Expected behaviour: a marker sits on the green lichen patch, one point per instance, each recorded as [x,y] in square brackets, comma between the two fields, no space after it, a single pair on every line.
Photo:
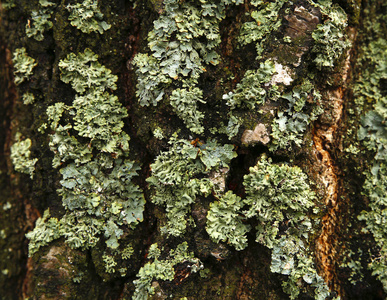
[23,65]
[330,37]
[250,92]
[290,125]
[40,20]
[83,71]
[265,21]
[163,269]
[279,198]
[182,44]
[225,223]
[28,98]
[87,17]
[20,156]
[91,148]
[184,103]
[178,177]
[370,89]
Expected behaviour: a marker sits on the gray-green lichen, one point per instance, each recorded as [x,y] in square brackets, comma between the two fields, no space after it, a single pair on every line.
[23,65]
[280,199]
[330,39]
[87,17]
[40,20]
[178,178]
[303,107]
[91,149]
[163,269]
[370,88]
[182,43]
[28,98]
[20,156]
[265,20]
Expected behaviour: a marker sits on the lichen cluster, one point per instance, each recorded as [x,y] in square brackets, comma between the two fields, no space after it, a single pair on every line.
[280,199]
[329,37]
[181,174]
[265,20]
[20,156]
[40,20]
[96,187]
[23,65]
[163,269]
[370,88]
[182,44]
[87,17]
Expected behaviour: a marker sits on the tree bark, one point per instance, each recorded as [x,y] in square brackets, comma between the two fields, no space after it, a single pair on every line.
[284,87]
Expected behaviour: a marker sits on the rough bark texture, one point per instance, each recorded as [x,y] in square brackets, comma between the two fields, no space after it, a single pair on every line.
[300,110]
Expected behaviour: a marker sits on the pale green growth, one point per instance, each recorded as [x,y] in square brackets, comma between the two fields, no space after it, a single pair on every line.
[99,117]
[266,21]
[174,178]
[290,125]
[96,187]
[20,156]
[28,98]
[40,21]
[151,83]
[182,43]
[329,37]
[280,198]
[250,92]
[46,230]
[127,252]
[23,65]
[185,105]
[370,87]
[87,17]
[158,133]
[110,263]
[225,222]
[8,4]
[233,125]
[163,269]
[83,72]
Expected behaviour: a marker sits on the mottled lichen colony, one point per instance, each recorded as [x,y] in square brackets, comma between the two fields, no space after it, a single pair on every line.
[188,178]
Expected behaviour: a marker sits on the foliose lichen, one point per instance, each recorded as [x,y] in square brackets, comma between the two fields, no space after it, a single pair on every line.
[329,37]
[87,17]
[40,20]
[163,269]
[23,65]
[178,178]
[96,187]
[280,199]
[303,107]
[20,156]
[182,43]
[265,20]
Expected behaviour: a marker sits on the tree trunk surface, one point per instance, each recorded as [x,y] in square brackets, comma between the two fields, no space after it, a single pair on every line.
[191,149]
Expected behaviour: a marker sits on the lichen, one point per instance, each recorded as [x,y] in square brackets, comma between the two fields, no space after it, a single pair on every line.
[329,37]
[303,107]
[28,98]
[87,17]
[280,199]
[178,177]
[40,20]
[163,269]
[182,43]
[23,65]
[20,156]
[265,20]
[90,147]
